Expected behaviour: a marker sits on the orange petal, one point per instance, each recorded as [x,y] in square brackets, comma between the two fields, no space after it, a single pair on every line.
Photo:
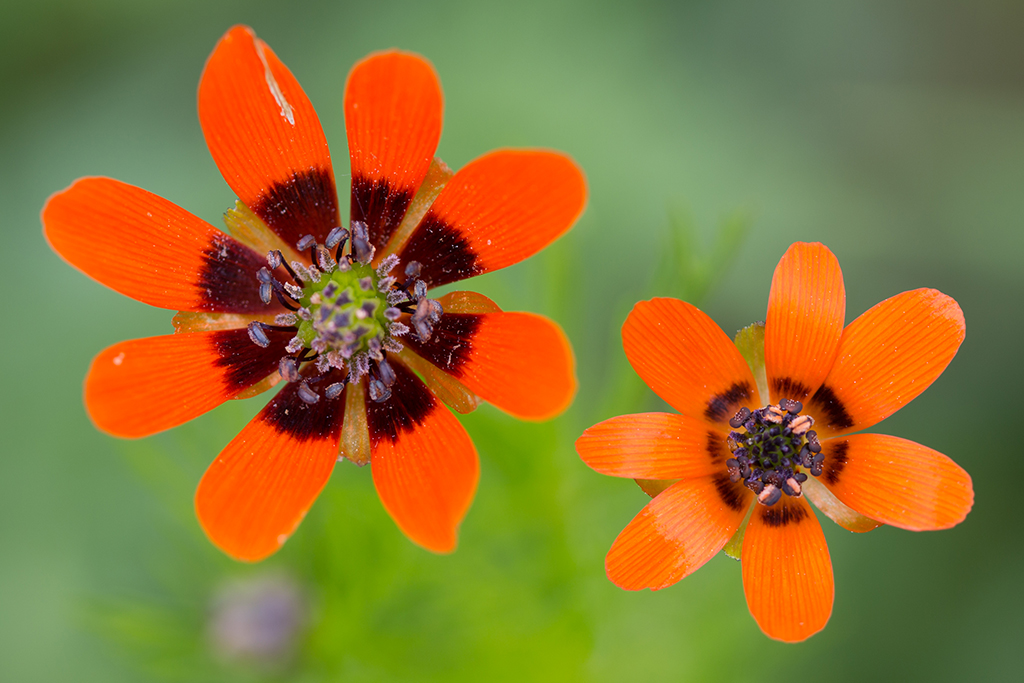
[143,386]
[146,247]
[887,357]
[653,446]
[897,481]
[687,360]
[424,465]
[259,488]
[787,571]
[678,531]
[520,362]
[266,138]
[393,114]
[806,311]
[500,209]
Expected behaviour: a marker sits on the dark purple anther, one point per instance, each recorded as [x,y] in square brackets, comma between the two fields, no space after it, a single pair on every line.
[336,237]
[739,418]
[258,335]
[378,391]
[288,369]
[308,395]
[362,250]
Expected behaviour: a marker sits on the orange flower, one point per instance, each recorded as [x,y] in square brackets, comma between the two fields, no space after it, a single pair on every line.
[754,436]
[344,316]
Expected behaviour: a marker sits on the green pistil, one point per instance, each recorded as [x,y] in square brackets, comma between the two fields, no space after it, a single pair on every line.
[346,311]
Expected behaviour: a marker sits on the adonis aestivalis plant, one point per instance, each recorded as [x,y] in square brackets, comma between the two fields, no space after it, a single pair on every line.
[344,315]
[770,419]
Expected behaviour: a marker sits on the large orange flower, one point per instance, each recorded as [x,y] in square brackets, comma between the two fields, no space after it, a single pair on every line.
[758,432]
[343,315]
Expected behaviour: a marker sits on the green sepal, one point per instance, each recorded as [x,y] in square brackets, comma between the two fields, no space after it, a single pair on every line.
[652,487]
[734,547]
[750,342]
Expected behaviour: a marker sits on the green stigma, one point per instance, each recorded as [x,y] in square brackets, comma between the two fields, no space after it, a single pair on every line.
[347,312]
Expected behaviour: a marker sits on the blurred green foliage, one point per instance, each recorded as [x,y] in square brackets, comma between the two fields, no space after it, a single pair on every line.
[891,131]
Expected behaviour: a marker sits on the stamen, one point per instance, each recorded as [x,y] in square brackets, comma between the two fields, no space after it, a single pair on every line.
[791,406]
[266,292]
[386,372]
[362,364]
[288,369]
[378,391]
[258,335]
[336,237]
[301,271]
[362,250]
[278,288]
[387,265]
[375,350]
[305,243]
[325,260]
[741,416]
[308,395]
[286,319]
[770,495]
[420,319]
[420,290]
[334,390]
[413,269]
[274,259]
[801,424]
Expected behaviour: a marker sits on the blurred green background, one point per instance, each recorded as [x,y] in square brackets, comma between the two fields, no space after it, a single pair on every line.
[891,131]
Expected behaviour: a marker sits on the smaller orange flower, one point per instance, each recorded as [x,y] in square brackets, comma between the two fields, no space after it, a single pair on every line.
[757,432]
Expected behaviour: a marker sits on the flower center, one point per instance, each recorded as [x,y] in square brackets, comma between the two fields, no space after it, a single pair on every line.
[773,450]
[345,314]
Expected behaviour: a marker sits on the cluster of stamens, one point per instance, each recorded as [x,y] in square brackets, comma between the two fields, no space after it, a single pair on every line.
[777,444]
[345,315]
